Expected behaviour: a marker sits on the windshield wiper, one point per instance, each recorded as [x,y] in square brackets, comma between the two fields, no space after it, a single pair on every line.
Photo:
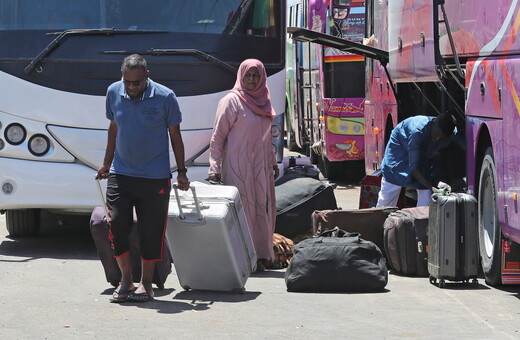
[181,51]
[61,36]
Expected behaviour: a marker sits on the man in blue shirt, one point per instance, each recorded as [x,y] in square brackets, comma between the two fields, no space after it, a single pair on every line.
[408,159]
[144,118]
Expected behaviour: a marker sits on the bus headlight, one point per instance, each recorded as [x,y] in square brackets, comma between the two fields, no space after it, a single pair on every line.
[7,188]
[15,134]
[2,144]
[346,126]
[39,145]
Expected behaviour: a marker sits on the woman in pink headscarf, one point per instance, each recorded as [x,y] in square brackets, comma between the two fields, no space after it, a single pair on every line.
[242,154]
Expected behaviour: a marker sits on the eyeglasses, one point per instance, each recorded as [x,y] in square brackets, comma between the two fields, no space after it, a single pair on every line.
[251,75]
[132,82]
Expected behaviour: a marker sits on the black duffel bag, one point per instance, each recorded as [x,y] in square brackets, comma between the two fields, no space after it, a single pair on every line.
[296,199]
[336,261]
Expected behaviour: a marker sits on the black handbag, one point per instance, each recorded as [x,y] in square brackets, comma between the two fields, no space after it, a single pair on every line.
[336,261]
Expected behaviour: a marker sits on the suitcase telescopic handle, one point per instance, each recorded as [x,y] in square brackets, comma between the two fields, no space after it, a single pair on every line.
[102,196]
[182,216]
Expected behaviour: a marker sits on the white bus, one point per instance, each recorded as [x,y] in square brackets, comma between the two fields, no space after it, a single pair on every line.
[58,57]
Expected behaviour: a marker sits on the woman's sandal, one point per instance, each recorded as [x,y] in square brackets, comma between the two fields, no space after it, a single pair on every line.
[259,267]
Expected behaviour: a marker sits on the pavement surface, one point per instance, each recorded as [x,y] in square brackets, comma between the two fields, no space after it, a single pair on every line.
[52,286]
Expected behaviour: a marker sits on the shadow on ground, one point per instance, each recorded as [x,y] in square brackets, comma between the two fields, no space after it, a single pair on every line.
[60,237]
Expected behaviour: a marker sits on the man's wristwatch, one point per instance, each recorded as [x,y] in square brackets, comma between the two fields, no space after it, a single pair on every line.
[182,171]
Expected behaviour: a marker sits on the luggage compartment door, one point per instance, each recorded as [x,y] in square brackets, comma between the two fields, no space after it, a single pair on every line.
[412,31]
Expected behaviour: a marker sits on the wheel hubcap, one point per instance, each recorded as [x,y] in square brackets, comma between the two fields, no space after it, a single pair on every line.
[488,217]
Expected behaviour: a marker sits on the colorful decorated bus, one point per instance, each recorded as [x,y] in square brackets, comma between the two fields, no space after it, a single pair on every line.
[58,58]
[326,87]
[461,57]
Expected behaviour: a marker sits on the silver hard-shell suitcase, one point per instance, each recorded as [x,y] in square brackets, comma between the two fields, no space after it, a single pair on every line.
[209,238]
[453,238]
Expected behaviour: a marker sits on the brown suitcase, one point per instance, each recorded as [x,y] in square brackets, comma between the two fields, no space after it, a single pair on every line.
[100,234]
[406,241]
[368,222]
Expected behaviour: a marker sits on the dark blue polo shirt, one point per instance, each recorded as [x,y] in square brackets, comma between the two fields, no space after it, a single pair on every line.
[142,142]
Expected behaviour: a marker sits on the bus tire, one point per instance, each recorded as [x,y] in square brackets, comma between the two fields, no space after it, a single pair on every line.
[22,222]
[313,156]
[291,142]
[489,234]
[330,170]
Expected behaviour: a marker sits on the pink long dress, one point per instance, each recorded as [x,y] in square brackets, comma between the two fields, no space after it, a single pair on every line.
[242,151]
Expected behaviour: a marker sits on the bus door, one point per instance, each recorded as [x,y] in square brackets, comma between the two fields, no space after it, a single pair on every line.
[296,18]
[311,86]
[511,117]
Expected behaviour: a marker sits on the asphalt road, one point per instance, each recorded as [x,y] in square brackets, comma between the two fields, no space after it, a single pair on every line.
[52,286]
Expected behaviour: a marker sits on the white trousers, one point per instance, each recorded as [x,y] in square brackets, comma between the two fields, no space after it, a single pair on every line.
[389,195]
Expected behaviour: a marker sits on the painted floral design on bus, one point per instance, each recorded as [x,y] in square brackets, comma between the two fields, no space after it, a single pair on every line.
[346,150]
[344,128]
[317,22]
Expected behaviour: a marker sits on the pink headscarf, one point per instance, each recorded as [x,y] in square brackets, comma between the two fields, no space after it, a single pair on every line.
[258,100]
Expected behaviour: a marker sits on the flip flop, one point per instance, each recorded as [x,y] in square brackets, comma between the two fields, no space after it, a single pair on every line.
[121,295]
[140,297]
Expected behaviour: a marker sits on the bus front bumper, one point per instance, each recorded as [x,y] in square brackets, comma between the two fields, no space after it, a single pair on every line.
[26,184]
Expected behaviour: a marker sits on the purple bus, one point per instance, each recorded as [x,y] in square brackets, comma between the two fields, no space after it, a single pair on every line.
[325,113]
[462,57]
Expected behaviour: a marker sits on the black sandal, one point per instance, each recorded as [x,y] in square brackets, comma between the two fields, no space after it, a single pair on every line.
[140,297]
[121,295]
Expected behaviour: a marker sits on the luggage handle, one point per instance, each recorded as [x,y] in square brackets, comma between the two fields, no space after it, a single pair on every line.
[102,196]
[336,232]
[182,216]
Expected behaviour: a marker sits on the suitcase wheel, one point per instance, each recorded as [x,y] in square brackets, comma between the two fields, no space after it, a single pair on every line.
[473,281]
[114,283]
[186,288]
[239,290]
[441,284]
[160,286]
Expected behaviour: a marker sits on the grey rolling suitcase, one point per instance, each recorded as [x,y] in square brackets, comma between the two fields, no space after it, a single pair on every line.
[209,239]
[453,238]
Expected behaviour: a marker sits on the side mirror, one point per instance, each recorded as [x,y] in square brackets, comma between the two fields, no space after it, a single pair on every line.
[342,3]
[340,9]
[340,13]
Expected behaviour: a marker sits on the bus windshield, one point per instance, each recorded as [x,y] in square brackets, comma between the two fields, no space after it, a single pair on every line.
[341,65]
[196,16]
